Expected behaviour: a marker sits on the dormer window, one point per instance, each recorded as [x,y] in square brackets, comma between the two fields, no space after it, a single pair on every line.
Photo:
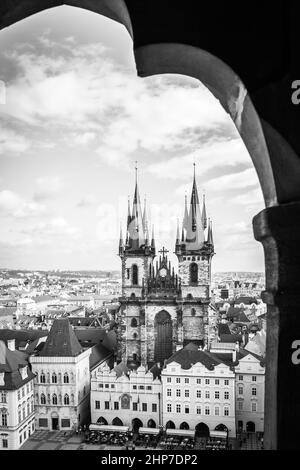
[24,372]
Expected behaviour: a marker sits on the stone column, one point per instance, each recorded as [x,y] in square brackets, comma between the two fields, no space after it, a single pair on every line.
[278,229]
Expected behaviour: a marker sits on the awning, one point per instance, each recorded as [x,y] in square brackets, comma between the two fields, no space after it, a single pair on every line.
[148,431]
[181,432]
[220,434]
[108,428]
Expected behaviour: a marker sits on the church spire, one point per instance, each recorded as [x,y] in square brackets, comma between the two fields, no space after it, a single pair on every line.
[210,239]
[128,213]
[145,217]
[204,216]
[178,234]
[121,242]
[194,231]
[186,215]
[136,230]
[153,239]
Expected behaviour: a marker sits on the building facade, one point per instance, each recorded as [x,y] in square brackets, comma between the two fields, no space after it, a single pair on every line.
[160,310]
[250,393]
[17,417]
[198,392]
[62,383]
[124,397]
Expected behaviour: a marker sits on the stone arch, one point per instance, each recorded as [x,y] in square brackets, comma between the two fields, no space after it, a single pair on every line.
[170,425]
[102,420]
[221,427]
[163,332]
[184,425]
[269,152]
[151,423]
[136,424]
[117,422]
[202,430]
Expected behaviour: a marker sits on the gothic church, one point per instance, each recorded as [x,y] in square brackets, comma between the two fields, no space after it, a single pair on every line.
[160,311]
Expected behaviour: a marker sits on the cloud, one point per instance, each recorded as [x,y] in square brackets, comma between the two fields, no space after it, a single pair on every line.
[12,204]
[251,198]
[84,138]
[240,180]
[12,142]
[48,187]
[213,155]
[87,200]
[95,100]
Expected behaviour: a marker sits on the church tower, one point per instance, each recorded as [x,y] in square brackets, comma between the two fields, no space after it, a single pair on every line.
[194,249]
[137,252]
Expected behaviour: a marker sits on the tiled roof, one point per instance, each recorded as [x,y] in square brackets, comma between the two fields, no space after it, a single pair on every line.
[223,328]
[61,340]
[10,363]
[21,335]
[190,355]
[99,354]
[245,300]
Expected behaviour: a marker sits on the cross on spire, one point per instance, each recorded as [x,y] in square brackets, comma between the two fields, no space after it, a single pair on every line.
[136,170]
[163,251]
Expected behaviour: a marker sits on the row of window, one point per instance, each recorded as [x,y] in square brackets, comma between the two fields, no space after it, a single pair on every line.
[186,380]
[253,391]
[25,390]
[54,399]
[54,378]
[116,406]
[25,409]
[253,406]
[135,387]
[198,394]
[23,435]
[241,378]
[178,408]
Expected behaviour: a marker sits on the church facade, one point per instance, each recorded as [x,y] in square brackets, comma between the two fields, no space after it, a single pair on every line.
[161,311]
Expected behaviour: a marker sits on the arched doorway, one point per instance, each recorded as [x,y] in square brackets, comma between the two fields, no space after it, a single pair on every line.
[117,422]
[202,430]
[102,420]
[221,427]
[250,426]
[184,425]
[136,424]
[162,336]
[151,424]
[170,425]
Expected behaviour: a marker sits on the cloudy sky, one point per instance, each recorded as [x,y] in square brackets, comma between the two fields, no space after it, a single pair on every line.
[75,120]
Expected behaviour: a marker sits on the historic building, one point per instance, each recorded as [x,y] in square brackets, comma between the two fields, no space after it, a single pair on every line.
[250,392]
[16,397]
[160,310]
[124,397]
[62,383]
[198,392]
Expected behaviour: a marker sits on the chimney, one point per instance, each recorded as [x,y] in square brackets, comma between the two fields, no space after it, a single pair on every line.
[237,346]
[158,364]
[11,344]
[234,355]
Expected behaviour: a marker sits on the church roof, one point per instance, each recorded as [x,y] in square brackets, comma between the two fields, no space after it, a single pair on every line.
[61,340]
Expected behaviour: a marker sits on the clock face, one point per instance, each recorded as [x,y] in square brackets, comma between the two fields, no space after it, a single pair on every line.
[163,272]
